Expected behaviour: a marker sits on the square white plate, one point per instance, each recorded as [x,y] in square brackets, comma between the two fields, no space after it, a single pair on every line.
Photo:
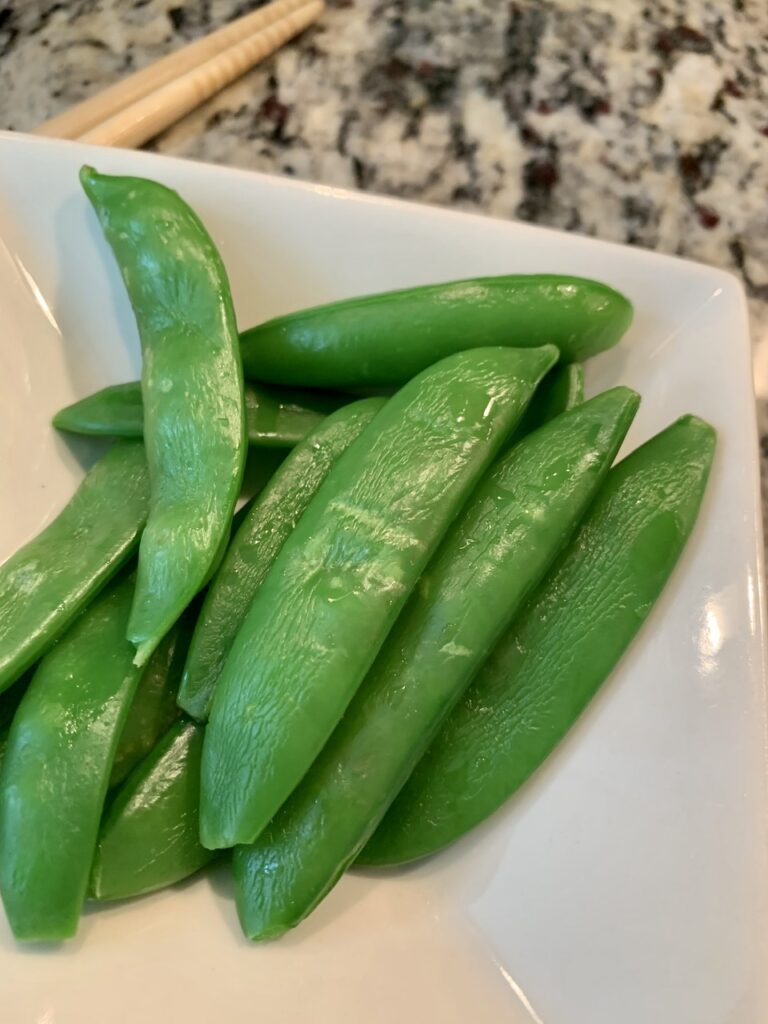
[627,882]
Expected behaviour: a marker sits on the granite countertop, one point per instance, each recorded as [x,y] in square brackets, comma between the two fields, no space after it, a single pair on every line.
[640,123]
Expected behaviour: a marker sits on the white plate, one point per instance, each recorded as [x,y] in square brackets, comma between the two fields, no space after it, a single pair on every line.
[627,882]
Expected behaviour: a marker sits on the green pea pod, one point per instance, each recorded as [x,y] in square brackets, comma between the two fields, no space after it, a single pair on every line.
[149,836]
[57,764]
[49,581]
[274,417]
[378,340]
[255,546]
[341,578]
[517,520]
[562,389]
[192,387]
[154,708]
[553,660]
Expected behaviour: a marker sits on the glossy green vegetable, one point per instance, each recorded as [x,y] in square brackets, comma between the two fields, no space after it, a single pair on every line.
[48,581]
[149,836]
[553,660]
[192,387]
[154,708]
[57,765]
[519,517]
[254,548]
[343,575]
[562,389]
[385,339]
[274,417]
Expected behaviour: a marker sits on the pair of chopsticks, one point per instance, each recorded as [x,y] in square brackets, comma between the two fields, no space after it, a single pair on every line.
[133,111]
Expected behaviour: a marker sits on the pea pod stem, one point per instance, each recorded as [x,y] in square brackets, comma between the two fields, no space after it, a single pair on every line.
[343,575]
[547,668]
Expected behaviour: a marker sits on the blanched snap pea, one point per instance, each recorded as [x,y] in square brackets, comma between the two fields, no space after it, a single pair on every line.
[49,581]
[192,389]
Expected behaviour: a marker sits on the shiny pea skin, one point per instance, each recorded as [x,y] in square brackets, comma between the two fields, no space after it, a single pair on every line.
[192,390]
[154,708]
[517,520]
[547,668]
[256,544]
[149,837]
[343,575]
[48,582]
[274,417]
[385,339]
[57,765]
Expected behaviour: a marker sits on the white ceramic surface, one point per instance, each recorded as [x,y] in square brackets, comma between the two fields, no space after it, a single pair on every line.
[627,882]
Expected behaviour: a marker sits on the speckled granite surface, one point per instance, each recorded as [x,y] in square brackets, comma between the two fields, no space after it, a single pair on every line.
[644,123]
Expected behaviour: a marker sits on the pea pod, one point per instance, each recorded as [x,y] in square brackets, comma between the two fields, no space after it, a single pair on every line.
[343,575]
[256,545]
[154,708]
[149,836]
[378,340]
[550,664]
[274,417]
[192,388]
[56,768]
[562,389]
[516,521]
[49,581]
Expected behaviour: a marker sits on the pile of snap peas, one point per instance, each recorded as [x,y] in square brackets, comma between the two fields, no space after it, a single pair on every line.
[369,657]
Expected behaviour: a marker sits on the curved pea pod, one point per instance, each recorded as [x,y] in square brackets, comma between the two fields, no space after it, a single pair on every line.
[550,664]
[255,546]
[149,837]
[154,708]
[343,575]
[192,389]
[517,520]
[49,581]
[385,339]
[56,768]
[274,417]
[562,389]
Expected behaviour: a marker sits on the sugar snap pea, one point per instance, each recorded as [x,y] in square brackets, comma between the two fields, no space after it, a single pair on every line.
[255,546]
[192,388]
[48,581]
[149,836]
[499,547]
[274,417]
[57,764]
[341,578]
[385,339]
[550,664]
[154,708]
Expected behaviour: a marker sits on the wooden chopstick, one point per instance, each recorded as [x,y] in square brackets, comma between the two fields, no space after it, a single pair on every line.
[183,79]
